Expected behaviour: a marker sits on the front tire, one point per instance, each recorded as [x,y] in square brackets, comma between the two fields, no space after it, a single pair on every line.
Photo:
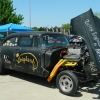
[67,82]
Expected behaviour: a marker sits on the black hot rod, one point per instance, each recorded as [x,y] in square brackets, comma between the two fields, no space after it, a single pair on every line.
[46,54]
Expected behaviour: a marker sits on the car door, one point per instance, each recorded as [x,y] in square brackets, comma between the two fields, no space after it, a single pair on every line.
[8,48]
[28,57]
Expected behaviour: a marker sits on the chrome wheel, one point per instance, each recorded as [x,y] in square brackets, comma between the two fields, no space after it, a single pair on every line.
[66,83]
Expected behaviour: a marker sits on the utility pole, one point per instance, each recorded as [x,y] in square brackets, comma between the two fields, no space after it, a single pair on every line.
[30,13]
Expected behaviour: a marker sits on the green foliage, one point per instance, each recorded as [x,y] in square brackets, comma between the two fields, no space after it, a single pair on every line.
[39,29]
[42,29]
[66,27]
[8,14]
[35,29]
[97,14]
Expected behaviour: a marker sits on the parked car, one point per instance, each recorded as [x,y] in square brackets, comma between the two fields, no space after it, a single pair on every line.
[44,54]
[76,41]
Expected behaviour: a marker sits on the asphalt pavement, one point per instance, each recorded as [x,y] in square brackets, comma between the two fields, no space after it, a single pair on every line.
[20,86]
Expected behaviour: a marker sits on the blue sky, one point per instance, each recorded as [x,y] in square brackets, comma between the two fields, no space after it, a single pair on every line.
[47,13]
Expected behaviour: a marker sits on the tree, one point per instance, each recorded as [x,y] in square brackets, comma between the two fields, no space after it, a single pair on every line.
[66,27]
[97,14]
[42,29]
[35,29]
[8,14]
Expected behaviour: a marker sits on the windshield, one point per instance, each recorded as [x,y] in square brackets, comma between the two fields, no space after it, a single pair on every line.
[54,40]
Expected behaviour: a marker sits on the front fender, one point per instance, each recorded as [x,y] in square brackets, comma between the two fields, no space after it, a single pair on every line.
[52,57]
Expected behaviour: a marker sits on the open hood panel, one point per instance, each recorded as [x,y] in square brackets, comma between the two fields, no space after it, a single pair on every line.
[88,26]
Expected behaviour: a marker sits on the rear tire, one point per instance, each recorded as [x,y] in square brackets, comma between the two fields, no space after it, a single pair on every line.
[67,82]
[2,69]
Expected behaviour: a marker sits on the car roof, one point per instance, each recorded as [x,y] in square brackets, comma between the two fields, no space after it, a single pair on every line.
[34,33]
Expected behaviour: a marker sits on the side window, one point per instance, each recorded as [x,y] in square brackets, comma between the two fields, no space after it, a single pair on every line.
[11,42]
[26,41]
